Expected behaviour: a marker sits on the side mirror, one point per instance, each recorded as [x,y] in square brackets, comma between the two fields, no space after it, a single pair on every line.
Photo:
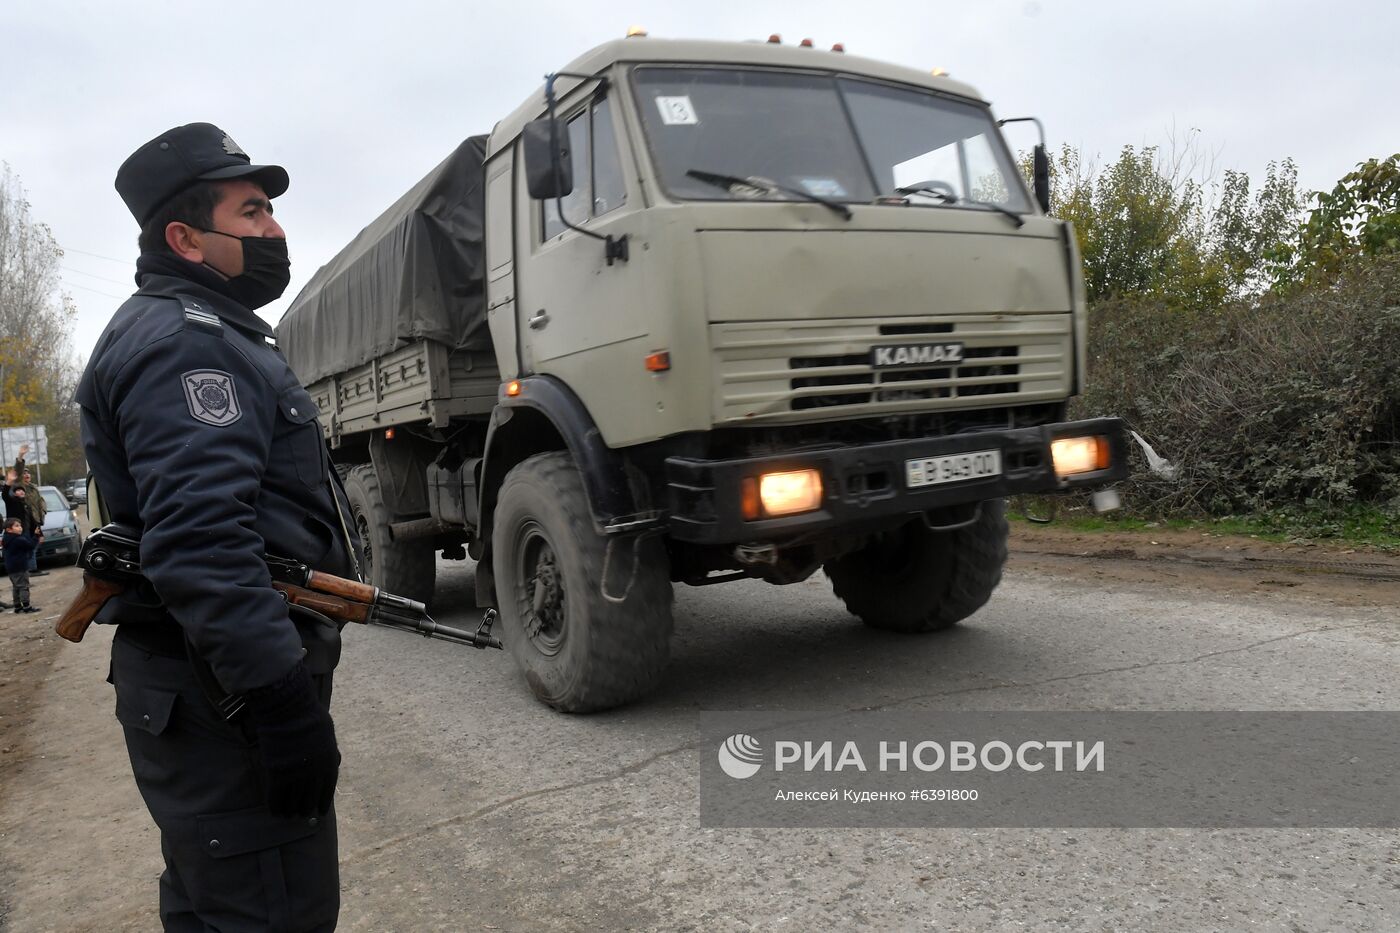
[1040,174]
[549,166]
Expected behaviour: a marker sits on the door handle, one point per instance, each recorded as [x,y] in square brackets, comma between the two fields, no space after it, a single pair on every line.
[539,320]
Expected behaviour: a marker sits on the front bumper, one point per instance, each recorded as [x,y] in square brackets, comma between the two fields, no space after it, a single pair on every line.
[868,482]
[64,546]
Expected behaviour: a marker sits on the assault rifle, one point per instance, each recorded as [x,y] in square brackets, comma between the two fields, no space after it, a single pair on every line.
[111,562]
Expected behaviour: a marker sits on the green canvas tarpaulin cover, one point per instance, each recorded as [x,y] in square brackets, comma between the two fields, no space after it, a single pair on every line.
[416,273]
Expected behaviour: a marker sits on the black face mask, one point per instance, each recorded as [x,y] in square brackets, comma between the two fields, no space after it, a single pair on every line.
[266,270]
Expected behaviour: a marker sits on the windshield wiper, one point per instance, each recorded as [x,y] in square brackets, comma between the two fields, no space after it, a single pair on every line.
[720,180]
[947,197]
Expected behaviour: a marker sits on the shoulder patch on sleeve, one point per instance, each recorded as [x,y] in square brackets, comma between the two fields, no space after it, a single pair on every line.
[212,396]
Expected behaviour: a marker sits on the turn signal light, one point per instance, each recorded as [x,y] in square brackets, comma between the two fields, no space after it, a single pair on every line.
[513,388]
[659,362]
[1073,455]
[749,506]
[388,434]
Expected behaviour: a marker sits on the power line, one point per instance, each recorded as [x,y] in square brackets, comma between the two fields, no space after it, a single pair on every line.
[69,249]
[96,292]
[100,278]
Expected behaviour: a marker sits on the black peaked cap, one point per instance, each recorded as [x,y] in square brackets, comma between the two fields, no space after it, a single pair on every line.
[178,158]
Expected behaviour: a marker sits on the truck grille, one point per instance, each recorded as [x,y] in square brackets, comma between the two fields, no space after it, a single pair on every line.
[772,370]
[887,385]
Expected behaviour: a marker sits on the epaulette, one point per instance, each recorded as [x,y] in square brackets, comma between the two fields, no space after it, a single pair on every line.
[200,316]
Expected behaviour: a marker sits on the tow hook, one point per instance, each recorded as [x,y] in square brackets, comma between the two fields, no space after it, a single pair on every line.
[752,555]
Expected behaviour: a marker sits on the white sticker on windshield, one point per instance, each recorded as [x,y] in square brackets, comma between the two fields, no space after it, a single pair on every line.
[677,111]
[823,187]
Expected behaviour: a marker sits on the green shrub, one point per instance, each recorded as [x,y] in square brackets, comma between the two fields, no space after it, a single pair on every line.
[1267,403]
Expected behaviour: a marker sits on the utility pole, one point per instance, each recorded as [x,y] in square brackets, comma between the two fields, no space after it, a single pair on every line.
[2,399]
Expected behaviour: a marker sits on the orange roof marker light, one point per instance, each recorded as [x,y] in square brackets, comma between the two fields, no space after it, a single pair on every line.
[513,388]
[659,362]
[636,32]
[838,47]
[805,43]
[775,39]
[939,72]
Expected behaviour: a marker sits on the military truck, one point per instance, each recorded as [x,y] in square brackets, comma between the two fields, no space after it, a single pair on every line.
[698,312]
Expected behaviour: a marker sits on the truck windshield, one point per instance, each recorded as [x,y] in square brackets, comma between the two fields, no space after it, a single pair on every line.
[838,138]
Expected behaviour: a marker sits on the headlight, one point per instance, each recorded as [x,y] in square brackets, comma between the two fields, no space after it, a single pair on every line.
[775,494]
[1073,455]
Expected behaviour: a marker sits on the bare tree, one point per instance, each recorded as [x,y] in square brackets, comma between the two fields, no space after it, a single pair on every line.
[37,368]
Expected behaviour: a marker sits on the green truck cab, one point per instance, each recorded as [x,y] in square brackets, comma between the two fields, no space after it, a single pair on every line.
[698,312]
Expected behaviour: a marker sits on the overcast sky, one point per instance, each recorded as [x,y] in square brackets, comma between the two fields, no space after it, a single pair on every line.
[359,99]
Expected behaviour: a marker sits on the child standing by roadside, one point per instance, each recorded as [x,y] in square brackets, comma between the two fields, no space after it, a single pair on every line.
[18,547]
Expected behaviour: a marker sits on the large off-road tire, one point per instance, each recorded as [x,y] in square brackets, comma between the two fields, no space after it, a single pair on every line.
[580,651]
[404,568]
[914,579]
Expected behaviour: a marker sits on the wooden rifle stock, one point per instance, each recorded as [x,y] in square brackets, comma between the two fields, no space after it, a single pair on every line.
[352,590]
[74,622]
[113,551]
[95,592]
[332,607]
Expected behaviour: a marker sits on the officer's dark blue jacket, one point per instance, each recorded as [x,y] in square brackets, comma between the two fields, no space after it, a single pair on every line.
[17,551]
[199,433]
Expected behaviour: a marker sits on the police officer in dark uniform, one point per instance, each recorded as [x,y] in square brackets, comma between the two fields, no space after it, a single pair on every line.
[200,436]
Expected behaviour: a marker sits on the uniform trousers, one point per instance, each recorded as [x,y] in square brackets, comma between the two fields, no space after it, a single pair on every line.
[230,865]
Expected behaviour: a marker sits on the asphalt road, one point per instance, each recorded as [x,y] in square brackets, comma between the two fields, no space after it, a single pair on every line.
[464,805]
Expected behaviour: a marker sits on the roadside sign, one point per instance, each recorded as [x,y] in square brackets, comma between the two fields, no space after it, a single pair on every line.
[12,439]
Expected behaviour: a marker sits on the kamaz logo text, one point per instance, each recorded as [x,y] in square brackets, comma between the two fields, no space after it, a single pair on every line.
[918,354]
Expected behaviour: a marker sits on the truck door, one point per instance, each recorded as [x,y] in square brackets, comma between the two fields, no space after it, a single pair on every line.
[572,304]
[500,262]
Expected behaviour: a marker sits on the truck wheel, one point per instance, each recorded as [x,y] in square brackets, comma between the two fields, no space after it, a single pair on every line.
[913,579]
[404,568]
[580,651]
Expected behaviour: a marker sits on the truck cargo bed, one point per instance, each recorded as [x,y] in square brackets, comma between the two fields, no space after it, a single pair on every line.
[423,382]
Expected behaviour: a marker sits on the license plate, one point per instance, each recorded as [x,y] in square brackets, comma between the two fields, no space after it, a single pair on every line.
[954,468]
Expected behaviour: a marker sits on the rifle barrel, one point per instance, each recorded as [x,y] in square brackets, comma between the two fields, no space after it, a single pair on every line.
[424,625]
